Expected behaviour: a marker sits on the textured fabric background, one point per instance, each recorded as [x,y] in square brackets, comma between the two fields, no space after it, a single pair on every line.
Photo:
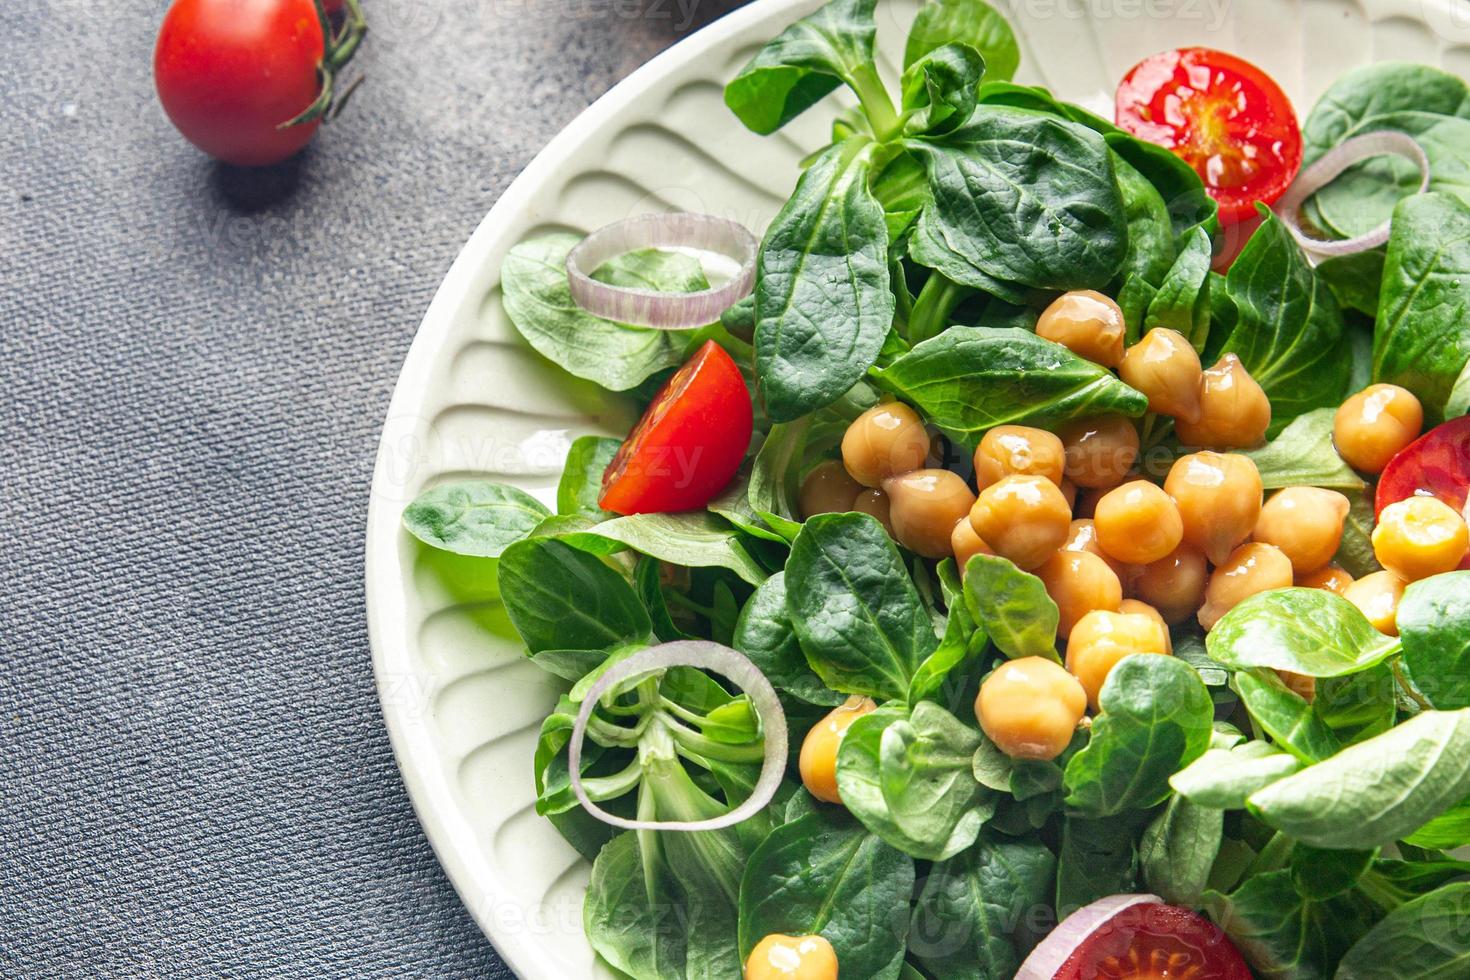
[194,364]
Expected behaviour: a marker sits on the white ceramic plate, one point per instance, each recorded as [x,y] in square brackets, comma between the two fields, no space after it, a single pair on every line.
[462,705]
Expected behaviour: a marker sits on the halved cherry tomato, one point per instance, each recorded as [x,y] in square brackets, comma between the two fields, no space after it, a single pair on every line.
[1437,464]
[1155,942]
[689,442]
[1222,115]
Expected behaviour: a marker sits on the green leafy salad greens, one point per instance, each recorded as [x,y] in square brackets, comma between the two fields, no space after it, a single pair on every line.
[912,261]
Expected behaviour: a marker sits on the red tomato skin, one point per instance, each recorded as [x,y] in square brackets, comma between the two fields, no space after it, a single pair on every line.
[689,443]
[1154,100]
[1148,927]
[229,72]
[1437,464]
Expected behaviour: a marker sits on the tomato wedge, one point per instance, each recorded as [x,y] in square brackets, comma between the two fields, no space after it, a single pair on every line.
[1437,464]
[1155,942]
[1222,115]
[689,443]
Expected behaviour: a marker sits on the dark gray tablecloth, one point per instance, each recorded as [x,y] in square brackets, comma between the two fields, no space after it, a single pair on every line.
[194,364]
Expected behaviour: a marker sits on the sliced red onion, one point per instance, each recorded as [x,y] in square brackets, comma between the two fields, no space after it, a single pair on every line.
[648,307]
[1047,958]
[706,656]
[1327,169]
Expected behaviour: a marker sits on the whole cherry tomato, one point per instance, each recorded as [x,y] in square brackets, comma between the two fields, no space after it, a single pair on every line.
[1222,115]
[689,443]
[1149,941]
[249,81]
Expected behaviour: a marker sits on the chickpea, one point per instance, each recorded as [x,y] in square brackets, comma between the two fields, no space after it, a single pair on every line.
[1088,324]
[966,544]
[1419,537]
[1101,639]
[1079,582]
[1138,523]
[1219,500]
[1329,577]
[1164,366]
[1030,707]
[1377,597]
[1024,518]
[1018,450]
[875,503]
[1373,425]
[1250,569]
[1082,536]
[1305,523]
[827,489]
[1234,411]
[924,506]
[1069,491]
[818,760]
[1134,607]
[885,441]
[1100,451]
[778,957]
[1175,584]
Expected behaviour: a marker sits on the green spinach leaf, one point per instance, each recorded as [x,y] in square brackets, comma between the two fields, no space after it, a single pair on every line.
[1366,194]
[1178,850]
[581,477]
[970,379]
[822,294]
[475,517]
[1303,455]
[561,598]
[638,933]
[1376,89]
[1223,778]
[1182,302]
[1420,341]
[1150,251]
[1354,279]
[975,906]
[1156,719]
[1434,626]
[538,301]
[1283,935]
[1377,791]
[697,539]
[764,634]
[1320,874]
[823,874]
[1097,859]
[1013,607]
[1356,551]
[1020,200]
[1306,631]
[939,89]
[1425,939]
[1285,716]
[972,22]
[855,608]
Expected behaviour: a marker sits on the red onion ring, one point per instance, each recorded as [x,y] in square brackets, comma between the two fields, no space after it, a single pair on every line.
[648,307]
[1047,958]
[705,655]
[1327,169]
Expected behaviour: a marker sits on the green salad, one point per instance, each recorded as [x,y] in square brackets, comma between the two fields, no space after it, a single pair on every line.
[1050,564]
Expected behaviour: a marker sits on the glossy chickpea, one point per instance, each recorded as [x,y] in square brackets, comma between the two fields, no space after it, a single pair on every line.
[1164,366]
[875,503]
[1138,523]
[924,506]
[1419,537]
[966,544]
[1234,411]
[1088,324]
[1101,639]
[1219,500]
[1018,450]
[1024,518]
[1069,491]
[1082,536]
[1305,523]
[1135,607]
[778,957]
[818,760]
[1175,584]
[1249,569]
[1329,577]
[1100,451]
[1030,707]
[885,441]
[1373,425]
[1377,596]
[827,489]
[1079,582]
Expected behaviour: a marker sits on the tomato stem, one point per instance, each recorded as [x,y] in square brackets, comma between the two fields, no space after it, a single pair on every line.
[338,49]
